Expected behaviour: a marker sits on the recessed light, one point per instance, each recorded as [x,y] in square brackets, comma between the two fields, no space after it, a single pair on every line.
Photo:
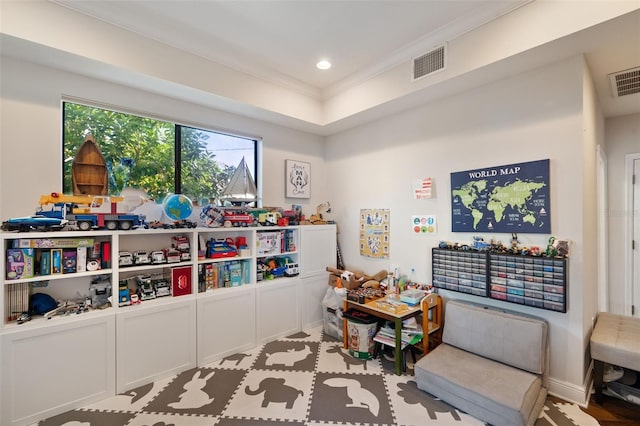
[323,65]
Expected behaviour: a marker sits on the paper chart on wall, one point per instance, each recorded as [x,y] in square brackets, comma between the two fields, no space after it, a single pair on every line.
[424,224]
[374,233]
[422,189]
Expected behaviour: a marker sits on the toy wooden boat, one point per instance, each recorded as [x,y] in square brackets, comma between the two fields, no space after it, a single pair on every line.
[89,170]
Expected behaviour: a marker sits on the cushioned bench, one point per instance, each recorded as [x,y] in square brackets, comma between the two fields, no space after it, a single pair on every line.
[492,364]
[616,341]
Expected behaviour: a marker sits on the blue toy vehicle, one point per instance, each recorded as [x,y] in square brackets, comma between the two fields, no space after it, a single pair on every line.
[34,223]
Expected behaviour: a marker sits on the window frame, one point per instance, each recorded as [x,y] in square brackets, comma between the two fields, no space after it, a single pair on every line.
[178,127]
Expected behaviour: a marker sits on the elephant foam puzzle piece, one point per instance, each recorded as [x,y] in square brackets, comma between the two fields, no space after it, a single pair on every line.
[275,390]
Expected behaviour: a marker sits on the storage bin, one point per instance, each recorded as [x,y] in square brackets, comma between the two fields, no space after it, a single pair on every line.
[360,332]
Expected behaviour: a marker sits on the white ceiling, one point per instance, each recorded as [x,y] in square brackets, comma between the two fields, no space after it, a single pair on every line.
[278,42]
[281,41]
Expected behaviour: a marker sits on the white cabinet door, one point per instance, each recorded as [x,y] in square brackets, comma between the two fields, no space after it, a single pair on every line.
[54,368]
[155,341]
[312,291]
[277,309]
[226,323]
[317,249]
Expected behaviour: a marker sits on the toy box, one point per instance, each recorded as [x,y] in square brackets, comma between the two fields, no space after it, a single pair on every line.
[20,263]
[56,261]
[81,259]
[181,280]
[69,261]
[235,274]
[412,297]
[269,243]
[53,242]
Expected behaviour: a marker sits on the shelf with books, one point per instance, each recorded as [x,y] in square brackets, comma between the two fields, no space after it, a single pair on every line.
[47,274]
[227,273]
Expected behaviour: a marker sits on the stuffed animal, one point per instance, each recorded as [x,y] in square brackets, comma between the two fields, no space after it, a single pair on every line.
[354,278]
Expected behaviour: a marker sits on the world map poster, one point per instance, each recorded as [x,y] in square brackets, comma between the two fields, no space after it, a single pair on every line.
[511,198]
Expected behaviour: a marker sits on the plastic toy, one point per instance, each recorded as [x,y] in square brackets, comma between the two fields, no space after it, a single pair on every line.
[24,317]
[124,298]
[34,223]
[93,265]
[217,249]
[269,218]
[291,270]
[87,212]
[100,289]
[480,244]
[172,256]
[145,288]
[125,258]
[180,242]
[158,257]
[141,257]
[237,219]
[162,288]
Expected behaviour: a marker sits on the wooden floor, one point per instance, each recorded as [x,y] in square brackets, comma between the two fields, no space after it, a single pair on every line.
[612,412]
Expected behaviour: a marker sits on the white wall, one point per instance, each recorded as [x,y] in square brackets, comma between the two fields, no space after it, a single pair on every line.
[623,137]
[31,128]
[593,131]
[533,116]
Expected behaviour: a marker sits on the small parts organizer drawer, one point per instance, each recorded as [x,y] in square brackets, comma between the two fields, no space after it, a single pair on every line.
[539,282]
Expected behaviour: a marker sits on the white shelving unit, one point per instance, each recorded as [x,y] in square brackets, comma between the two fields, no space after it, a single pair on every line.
[103,352]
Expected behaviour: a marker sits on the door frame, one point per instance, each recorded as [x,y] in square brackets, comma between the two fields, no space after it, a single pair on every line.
[603,231]
[628,252]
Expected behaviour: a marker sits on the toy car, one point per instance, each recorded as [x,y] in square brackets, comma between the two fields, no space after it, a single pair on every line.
[141,257]
[158,257]
[185,256]
[135,299]
[162,288]
[172,255]
[145,288]
[180,243]
[291,270]
[125,258]
[34,223]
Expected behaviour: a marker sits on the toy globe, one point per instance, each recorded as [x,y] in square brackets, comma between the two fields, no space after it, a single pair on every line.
[177,207]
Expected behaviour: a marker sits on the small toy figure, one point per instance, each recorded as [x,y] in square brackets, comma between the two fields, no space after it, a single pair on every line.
[551,249]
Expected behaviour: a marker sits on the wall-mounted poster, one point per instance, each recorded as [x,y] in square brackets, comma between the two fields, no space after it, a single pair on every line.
[424,224]
[297,179]
[374,233]
[422,189]
[511,198]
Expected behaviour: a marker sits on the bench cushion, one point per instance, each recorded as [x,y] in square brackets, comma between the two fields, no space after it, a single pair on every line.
[500,335]
[489,390]
[616,340]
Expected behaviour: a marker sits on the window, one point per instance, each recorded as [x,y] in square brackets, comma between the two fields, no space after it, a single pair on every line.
[158,156]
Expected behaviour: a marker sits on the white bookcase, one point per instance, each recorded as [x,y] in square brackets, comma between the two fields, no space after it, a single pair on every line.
[102,352]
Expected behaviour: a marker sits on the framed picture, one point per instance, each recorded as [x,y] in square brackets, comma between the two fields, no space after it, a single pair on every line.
[297,179]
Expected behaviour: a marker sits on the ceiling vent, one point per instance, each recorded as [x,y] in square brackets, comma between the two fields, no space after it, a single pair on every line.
[625,82]
[429,63]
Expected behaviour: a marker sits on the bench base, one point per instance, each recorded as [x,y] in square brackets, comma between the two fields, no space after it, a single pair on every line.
[488,390]
[615,340]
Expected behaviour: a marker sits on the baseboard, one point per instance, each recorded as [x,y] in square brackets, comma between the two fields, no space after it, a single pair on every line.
[572,393]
